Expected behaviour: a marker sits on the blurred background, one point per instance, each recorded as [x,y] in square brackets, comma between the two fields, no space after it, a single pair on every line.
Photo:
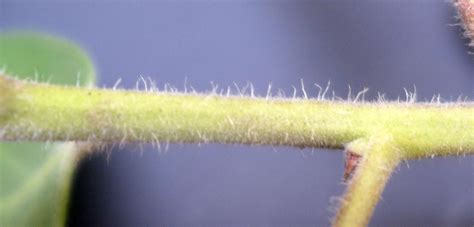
[383,45]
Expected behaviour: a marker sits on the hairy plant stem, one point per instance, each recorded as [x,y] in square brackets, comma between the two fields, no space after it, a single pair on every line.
[382,132]
[41,112]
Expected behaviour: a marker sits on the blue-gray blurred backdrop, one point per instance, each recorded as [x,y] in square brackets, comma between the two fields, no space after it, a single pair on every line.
[385,45]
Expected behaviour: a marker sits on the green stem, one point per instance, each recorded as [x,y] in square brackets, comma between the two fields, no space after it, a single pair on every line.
[381,156]
[42,112]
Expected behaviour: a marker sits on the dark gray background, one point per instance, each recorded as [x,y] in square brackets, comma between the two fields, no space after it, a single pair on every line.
[384,45]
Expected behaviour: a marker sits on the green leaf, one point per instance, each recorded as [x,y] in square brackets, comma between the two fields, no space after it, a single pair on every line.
[35,178]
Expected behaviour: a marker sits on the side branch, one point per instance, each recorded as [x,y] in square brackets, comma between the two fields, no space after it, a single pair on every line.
[380,157]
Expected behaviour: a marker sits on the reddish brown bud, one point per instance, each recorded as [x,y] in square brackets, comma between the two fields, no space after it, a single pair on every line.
[466,12]
[352,161]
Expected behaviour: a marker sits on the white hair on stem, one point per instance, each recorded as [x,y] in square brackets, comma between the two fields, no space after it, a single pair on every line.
[294,91]
[116,84]
[361,93]
[325,90]
[248,90]
[269,92]
[303,90]
[319,91]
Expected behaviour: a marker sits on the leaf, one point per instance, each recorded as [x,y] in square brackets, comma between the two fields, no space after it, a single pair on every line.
[35,178]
